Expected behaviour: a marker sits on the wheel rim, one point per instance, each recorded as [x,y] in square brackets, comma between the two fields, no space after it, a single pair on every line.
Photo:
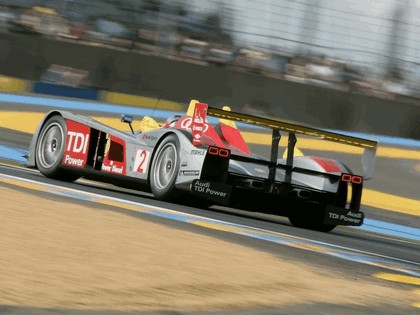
[166,162]
[51,145]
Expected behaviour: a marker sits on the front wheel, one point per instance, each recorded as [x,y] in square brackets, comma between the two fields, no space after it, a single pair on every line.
[49,150]
[165,168]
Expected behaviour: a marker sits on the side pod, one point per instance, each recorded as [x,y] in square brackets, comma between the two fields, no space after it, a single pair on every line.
[216,164]
[212,183]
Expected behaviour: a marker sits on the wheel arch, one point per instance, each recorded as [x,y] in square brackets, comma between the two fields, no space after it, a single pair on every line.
[162,137]
[164,188]
[31,161]
[50,154]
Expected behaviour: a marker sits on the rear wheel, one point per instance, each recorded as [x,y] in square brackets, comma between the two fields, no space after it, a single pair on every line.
[165,168]
[49,150]
[310,217]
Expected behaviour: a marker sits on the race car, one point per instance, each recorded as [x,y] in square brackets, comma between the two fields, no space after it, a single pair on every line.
[202,156]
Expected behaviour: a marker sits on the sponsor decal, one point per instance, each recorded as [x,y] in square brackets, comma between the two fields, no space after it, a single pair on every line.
[341,216]
[200,129]
[197,152]
[217,192]
[356,215]
[113,168]
[197,127]
[68,160]
[141,161]
[196,124]
[184,164]
[186,122]
[189,172]
[114,160]
[148,137]
[77,144]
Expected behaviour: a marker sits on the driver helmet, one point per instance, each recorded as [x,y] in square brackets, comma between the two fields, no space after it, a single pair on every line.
[170,122]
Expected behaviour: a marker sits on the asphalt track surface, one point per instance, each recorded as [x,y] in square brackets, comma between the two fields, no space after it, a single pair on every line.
[391,176]
[365,243]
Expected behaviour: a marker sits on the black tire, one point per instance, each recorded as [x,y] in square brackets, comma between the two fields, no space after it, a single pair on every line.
[164,169]
[311,217]
[49,150]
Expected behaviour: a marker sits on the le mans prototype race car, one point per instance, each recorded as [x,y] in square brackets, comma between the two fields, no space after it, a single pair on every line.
[190,158]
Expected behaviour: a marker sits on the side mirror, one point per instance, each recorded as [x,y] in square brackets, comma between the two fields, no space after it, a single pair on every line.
[127,119]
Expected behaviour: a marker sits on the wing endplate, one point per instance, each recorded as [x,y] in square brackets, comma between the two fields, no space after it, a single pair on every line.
[198,120]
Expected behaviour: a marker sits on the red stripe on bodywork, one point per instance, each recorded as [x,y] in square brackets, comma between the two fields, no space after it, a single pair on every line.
[197,126]
[209,136]
[328,165]
[114,159]
[77,144]
[233,137]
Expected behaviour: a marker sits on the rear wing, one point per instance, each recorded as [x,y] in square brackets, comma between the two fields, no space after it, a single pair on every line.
[369,146]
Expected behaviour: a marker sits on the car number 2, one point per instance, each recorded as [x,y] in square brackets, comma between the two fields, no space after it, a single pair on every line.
[141,161]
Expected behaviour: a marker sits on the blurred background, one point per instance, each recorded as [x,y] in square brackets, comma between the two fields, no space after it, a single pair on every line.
[360,47]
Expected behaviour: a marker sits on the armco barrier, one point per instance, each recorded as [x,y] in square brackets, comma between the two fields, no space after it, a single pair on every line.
[13,85]
[66,91]
[8,84]
[141,101]
[128,72]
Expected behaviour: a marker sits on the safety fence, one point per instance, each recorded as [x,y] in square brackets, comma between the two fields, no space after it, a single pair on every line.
[130,78]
